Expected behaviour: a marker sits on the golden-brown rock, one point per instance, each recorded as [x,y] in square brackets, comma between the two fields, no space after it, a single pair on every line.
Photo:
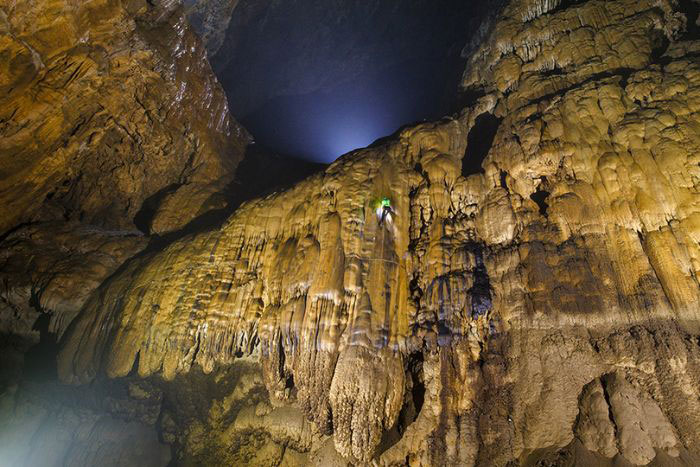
[103,105]
[54,267]
[483,319]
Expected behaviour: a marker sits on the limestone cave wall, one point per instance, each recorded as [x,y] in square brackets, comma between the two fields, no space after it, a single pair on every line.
[105,104]
[539,306]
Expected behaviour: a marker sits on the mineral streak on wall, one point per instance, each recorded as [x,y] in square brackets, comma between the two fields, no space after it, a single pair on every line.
[552,300]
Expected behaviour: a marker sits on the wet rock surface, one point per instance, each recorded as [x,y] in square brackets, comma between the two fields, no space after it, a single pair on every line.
[434,300]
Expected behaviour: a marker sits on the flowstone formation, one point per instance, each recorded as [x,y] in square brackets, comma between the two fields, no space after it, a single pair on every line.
[513,285]
[540,306]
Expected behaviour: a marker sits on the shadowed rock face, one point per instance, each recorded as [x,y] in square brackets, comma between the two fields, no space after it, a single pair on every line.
[53,268]
[540,311]
[103,105]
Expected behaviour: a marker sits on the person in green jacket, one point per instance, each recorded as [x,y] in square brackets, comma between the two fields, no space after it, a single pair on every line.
[386,210]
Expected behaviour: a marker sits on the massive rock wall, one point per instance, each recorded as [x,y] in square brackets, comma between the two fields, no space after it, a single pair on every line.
[110,119]
[105,104]
[542,309]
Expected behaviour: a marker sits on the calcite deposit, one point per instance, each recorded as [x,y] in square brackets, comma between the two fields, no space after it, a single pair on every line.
[413,304]
[544,308]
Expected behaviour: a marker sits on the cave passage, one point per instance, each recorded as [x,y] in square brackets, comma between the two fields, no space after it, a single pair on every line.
[314,82]
[479,142]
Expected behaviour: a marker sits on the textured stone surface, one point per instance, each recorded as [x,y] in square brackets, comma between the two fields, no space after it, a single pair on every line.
[54,267]
[571,257]
[47,272]
[543,309]
[105,104]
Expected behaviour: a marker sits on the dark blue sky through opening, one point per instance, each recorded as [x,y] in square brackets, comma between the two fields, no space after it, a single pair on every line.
[322,126]
[315,80]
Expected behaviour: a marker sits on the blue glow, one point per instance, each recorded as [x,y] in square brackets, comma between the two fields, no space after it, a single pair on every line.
[324,125]
[316,79]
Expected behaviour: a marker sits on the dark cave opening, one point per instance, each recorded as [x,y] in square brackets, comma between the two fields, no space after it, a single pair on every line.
[415,396]
[640,236]
[144,216]
[313,81]
[323,125]
[480,291]
[40,359]
[555,71]
[540,197]
[564,5]
[415,363]
[660,45]
[691,9]
[289,382]
[479,142]
[503,179]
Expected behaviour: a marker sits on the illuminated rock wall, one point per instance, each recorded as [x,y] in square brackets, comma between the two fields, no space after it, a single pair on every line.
[104,104]
[545,307]
[110,118]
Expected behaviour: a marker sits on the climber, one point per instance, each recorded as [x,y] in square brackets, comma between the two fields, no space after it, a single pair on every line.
[386,210]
